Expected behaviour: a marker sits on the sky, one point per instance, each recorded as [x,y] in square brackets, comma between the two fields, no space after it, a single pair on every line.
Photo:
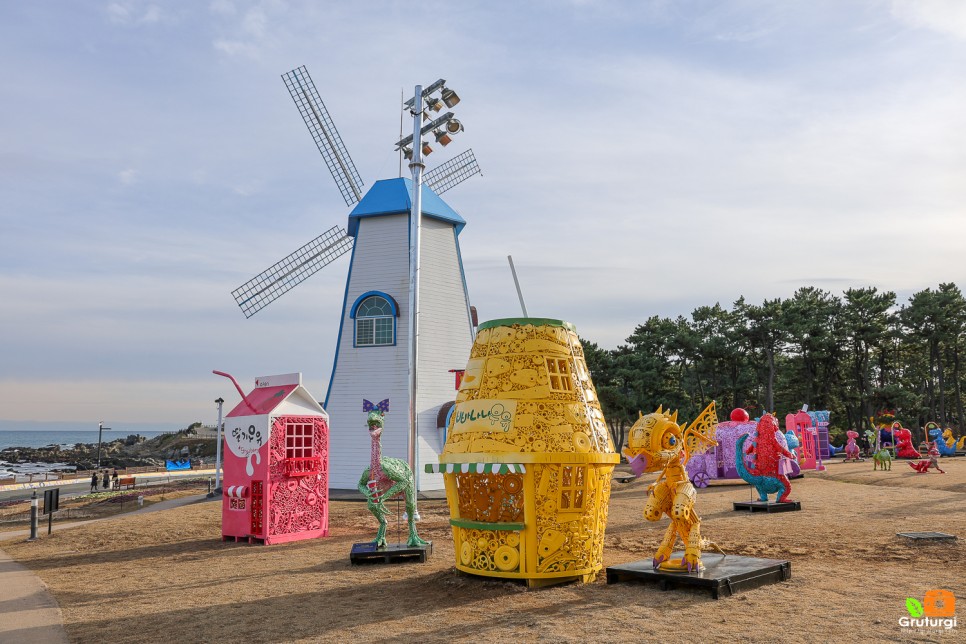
[639,158]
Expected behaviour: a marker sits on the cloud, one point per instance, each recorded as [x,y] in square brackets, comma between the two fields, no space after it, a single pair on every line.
[128,176]
[249,35]
[132,13]
[222,7]
[944,16]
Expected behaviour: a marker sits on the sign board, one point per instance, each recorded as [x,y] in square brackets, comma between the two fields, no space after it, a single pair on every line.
[51,500]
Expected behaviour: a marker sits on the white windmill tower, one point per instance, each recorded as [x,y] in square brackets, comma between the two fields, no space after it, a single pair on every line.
[402,269]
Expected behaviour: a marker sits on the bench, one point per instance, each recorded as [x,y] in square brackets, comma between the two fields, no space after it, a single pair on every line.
[124,481]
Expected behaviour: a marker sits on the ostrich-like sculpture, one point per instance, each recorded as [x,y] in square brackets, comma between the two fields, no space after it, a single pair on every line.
[385,478]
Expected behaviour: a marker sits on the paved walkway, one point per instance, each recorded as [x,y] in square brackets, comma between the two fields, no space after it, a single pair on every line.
[83,482]
[29,614]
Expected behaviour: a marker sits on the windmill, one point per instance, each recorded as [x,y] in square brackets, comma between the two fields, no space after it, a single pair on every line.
[375,332]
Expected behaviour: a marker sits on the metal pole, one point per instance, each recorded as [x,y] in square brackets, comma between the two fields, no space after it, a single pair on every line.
[415,230]
[100,431]
[34,508]
[523,305]
[220,402]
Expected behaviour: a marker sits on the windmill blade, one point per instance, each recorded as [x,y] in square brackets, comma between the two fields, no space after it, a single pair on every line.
[452,173]
[323,131]
[270,284]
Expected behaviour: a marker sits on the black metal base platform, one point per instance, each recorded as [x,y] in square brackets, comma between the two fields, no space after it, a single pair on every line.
[392,553]
[762,506]
[927,536]
[723,575]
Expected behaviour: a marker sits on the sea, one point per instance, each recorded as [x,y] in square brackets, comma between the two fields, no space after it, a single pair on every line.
[42,438]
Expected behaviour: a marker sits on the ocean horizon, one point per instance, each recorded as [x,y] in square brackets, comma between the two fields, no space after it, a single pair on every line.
[42,438]
[64,437]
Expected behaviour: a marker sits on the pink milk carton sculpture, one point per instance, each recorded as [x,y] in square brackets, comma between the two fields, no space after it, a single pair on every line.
[276,462]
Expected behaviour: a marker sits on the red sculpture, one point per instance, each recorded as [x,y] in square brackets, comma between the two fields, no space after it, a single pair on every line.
[903,438]
[933,461]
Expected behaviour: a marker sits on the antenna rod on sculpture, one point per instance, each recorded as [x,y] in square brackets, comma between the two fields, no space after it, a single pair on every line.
[401,95]
[242,393]
[523,305]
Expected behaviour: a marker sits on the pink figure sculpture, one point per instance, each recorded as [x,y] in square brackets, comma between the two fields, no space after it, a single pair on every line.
[904,447]
[852,448]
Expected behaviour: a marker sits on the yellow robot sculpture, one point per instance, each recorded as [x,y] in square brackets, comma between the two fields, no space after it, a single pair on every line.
[656,443]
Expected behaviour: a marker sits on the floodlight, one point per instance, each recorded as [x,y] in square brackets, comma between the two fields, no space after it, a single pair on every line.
[407,153]
[453,126]
[434,103]
[449,97]
[426,149]
[442,138]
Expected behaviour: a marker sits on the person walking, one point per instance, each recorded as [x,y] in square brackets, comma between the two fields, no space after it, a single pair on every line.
[107,480]
[94,482]
[115,481]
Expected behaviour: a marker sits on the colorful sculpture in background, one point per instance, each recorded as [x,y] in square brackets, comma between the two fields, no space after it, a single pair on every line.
[950,438]
[884,438]
[792,442]
[904,447]
[528,458]
[852,447]
[719,461]
[870,439]
[656,443]
[811,429]
[385,478]
[933,461]
[768,455]
[936,435]
[883,459]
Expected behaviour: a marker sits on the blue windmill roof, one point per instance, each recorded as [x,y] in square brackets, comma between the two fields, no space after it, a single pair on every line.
[391,197]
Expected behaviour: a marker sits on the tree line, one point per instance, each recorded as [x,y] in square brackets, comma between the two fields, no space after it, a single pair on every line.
[857,356]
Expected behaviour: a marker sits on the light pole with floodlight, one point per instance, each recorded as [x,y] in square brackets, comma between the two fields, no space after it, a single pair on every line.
[421,101]
[100,432]
[220,402]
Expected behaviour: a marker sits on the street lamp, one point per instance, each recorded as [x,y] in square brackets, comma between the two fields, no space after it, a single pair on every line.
[100,432]
[415,155]
[219,402]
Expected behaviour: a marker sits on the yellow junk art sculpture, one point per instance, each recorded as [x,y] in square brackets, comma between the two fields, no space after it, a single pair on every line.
[656,443]
[528,458]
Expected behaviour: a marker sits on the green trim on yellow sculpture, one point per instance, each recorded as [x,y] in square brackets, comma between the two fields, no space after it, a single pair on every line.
[522,321]
[482,525]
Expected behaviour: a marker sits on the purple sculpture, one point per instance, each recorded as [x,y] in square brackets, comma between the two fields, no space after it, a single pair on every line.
[719,462]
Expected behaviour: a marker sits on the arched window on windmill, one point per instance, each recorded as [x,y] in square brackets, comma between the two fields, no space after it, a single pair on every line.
[375,316]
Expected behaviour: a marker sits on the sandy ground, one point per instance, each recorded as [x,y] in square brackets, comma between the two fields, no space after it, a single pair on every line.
[97,506]
[167,576]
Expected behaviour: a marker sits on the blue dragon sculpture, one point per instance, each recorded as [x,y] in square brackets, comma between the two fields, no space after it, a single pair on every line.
[936,434]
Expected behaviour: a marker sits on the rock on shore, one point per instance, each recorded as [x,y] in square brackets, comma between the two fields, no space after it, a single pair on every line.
[132,451]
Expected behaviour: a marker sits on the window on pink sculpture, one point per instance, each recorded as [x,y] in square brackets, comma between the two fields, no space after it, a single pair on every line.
[298,440]
[300,453]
